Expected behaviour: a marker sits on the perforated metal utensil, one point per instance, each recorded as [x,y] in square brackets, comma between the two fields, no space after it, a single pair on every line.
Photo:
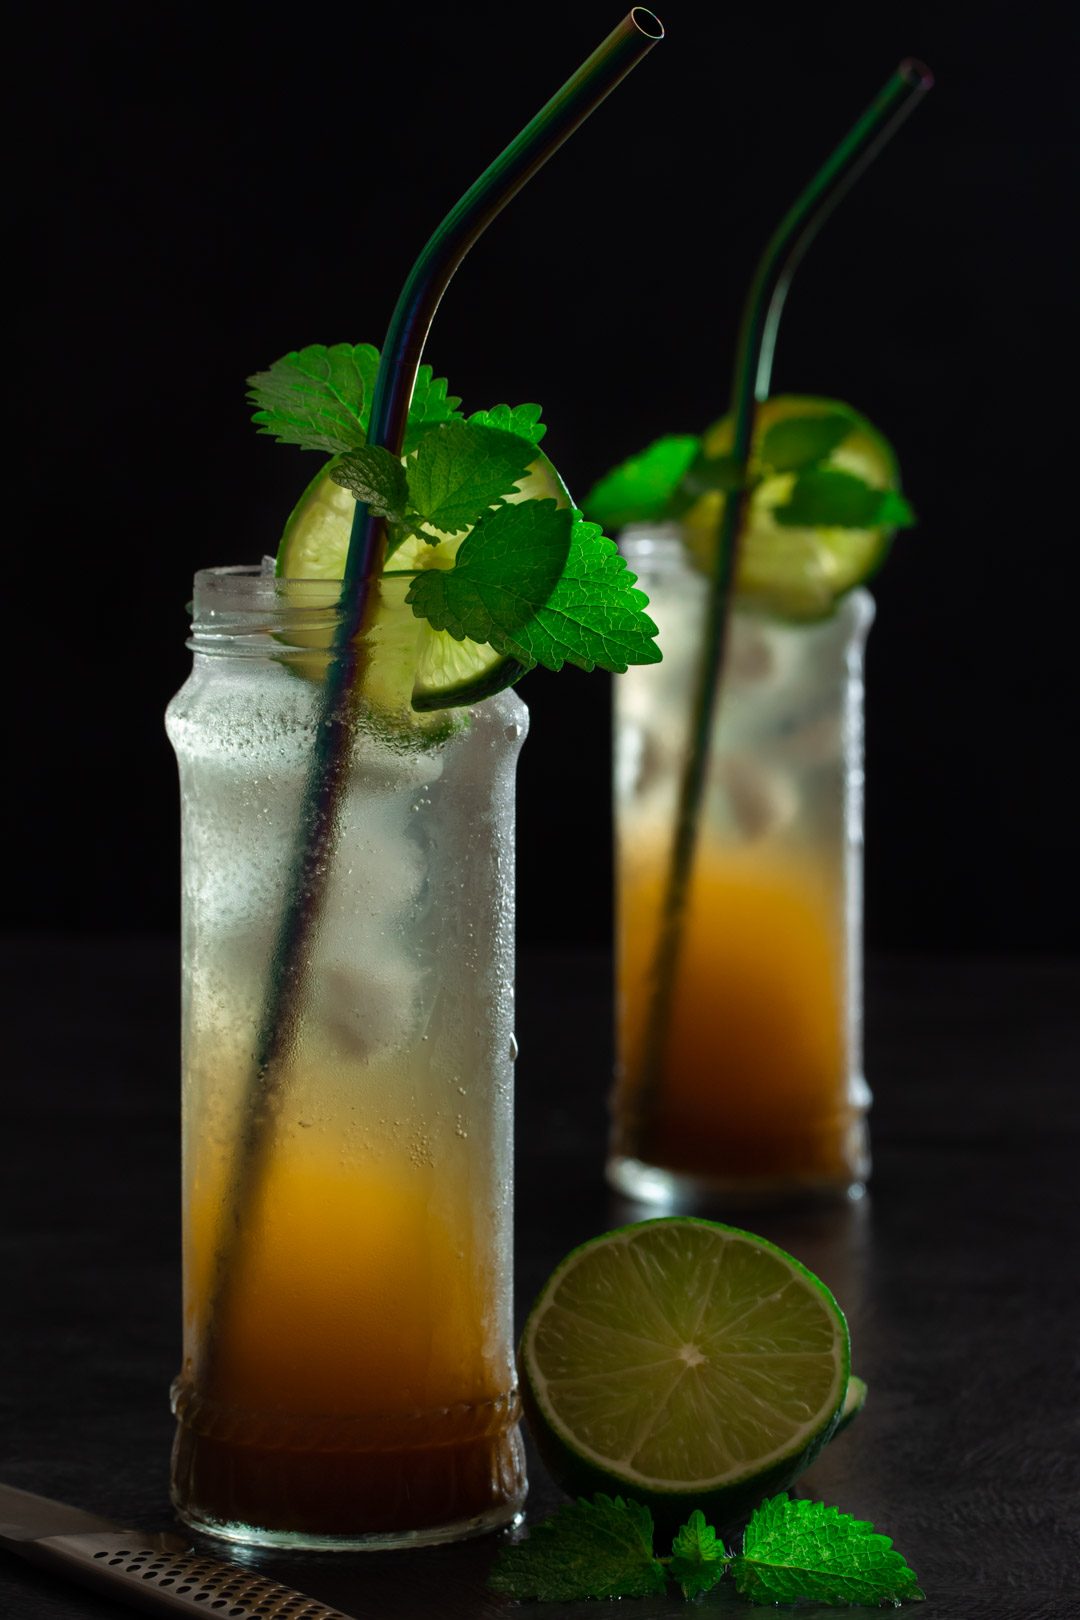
[161,1573]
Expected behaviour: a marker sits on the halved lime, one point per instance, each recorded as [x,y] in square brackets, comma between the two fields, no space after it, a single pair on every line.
[684,1363]
[413,666]
[797,572]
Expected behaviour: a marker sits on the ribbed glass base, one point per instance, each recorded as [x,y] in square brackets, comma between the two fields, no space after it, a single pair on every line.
[678,1190]
[324,1484]
[248,1535]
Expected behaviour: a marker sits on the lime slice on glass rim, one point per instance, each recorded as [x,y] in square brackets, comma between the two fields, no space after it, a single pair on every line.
[686,1364]
[413,667]
[796,573]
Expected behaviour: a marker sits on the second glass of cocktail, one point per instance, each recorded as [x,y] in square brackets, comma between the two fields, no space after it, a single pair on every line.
[758,1093]
[738,776]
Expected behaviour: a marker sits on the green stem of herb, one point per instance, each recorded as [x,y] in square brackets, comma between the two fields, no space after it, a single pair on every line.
[328,772]
[753,372]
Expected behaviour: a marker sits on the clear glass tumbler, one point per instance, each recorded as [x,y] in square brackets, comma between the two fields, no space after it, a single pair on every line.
[348,1374]
[758,1095]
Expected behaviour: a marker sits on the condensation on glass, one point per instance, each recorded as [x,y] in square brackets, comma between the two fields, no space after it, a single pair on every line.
[758,1095]
[348,1375]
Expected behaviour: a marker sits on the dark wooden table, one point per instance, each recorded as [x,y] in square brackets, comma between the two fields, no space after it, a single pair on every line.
[958,1272]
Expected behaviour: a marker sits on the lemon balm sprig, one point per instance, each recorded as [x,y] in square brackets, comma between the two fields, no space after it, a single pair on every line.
[792,1552]
[525,575]
[663,482]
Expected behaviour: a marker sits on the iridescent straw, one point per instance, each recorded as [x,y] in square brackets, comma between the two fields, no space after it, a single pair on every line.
[753,372]
[402,350]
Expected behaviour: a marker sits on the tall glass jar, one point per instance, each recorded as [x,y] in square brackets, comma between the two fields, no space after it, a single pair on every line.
[348,1375]
[758,1095]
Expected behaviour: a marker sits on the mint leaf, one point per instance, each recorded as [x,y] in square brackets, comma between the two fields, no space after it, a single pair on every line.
[320,398]
[714,472]
[592,617]
[460,469]
[805,1550]
[543,586]
[830,498]
[803,441]
[504,572]
[524,420]
[639,490]
[896,512]
[315,397]
[597,1549]
[430,404]
[373,475]
[698,1556]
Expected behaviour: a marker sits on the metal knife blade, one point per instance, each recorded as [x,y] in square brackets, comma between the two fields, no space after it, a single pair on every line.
[162,1573]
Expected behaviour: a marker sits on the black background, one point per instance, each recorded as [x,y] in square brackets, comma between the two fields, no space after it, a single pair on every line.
[206,189]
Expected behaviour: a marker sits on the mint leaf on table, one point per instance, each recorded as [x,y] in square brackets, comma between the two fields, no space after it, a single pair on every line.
[524,420]
[830,498]
[698,1556]
[315,397]
[803,441]
[597,1549]
[504,571]
[373,475]
[639,491]
[805,1550]
[592,617]
[461,469]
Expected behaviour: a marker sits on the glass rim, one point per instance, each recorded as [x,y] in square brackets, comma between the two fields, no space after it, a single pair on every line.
[657,549]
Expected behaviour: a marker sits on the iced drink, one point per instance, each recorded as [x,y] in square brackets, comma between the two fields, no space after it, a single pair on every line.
[758,1092]
[348,1371]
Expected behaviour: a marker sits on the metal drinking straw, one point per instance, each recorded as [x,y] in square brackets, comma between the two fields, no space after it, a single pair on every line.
[753,371]
[402,350]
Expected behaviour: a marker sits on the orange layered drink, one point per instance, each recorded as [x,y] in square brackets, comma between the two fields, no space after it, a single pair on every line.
[756,1091]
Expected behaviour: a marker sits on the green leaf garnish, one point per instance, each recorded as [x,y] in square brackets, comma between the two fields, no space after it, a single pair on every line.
[524,420]
[430,405]
[698,1556]
[830,498]
[725,473]
[792,1552]
[373,475]
[320,398]
[505,571]
[528,578]
[599,1549]
[315,397]
[461,469]
[805,1550]
[543,586]
[641,489]
[592,617]
[896,512]
[803,441]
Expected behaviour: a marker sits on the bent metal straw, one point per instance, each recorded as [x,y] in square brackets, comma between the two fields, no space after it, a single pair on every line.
[753,371]
[597,76]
